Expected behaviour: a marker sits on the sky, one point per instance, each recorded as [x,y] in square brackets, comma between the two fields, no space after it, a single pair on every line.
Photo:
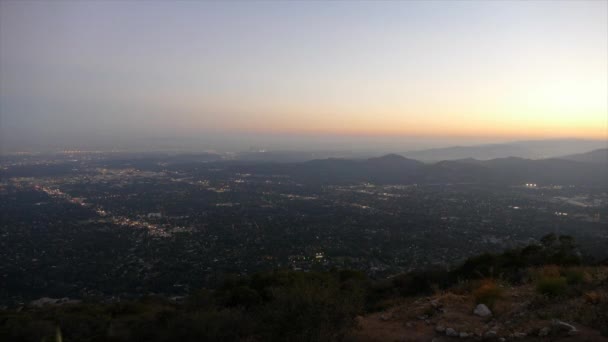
[301,74]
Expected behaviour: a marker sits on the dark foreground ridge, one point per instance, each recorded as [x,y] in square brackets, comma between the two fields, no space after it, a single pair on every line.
[541,291]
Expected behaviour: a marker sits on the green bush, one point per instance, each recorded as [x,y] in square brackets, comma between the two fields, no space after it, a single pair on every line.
[574,277]
[552,286]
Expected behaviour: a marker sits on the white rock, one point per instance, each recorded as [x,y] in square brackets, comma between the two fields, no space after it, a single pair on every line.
[490,334]
[573,332]
[544,331]
[482,310]
[451,332]
[563,326]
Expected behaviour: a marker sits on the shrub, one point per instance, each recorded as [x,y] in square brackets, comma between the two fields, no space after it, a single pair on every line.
[488,293]
[550,271]
[313,308]
[574,276]
[592,297]
[551,286]
[420,282]
[241,296]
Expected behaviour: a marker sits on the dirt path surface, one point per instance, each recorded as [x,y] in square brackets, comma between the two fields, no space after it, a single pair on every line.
[450,317]
[374,329]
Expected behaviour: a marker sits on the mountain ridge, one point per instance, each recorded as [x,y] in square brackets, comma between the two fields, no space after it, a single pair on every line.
[533,149]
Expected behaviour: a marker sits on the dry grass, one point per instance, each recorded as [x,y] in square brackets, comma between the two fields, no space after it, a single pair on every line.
[596,297]
[552,286]
[517,308]
[488,292]
[447,298]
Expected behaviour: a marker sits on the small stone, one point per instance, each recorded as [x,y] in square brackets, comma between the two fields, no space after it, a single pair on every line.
[519,335]
[384,317]
[482,311]
[409,325]
[573,332]
[464,335]
[440,328]
[558,325]
[544,331]
[451,332]
[490,334]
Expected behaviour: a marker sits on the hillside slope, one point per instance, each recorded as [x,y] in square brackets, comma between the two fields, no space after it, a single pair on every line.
[519,314]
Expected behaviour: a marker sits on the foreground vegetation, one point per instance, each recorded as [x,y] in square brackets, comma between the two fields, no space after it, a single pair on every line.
[316,306]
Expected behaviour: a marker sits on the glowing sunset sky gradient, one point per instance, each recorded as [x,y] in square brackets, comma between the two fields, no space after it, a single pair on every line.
[499,69]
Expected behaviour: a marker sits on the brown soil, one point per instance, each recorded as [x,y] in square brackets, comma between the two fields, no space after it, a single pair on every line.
[518,312]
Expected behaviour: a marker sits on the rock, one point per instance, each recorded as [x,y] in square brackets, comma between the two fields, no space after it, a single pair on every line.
[518,335]
[409,324]
[463,335]
[560,326]
[573,332]
[482,311]
[43,301]
[451,332]
[490,334]
[384,317]
[440,328]
[544,331]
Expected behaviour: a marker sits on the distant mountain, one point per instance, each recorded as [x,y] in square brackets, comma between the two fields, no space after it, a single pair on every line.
[523,149]
[291,156]
[546,171]
[393,160]
[396,169]
[596,156]
[482,152]
[448,171]
[391,168]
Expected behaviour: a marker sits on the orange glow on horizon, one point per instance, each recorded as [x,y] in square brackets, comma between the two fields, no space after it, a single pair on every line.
[498,126]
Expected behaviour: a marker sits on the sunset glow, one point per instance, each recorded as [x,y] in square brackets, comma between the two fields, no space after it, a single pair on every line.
[501,70]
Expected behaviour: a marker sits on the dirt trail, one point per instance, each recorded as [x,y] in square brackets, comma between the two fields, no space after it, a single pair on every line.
[427,319]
